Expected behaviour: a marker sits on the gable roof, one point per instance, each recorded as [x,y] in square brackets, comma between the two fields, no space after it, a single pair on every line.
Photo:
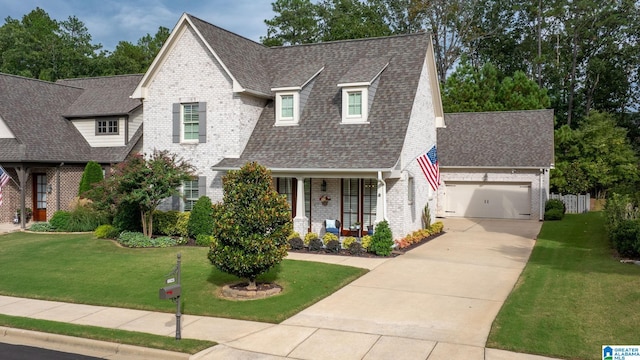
[497,139]
[321,141]
[103,96]
[33,110]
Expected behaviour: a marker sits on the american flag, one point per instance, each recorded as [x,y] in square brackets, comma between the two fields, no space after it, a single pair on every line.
[4,179]
[429,165]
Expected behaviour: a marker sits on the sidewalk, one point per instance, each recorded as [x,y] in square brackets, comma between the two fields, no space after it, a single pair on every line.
[436,302]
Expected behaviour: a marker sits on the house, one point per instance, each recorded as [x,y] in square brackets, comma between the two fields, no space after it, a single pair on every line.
[49,131]
[495,164]
[340,120]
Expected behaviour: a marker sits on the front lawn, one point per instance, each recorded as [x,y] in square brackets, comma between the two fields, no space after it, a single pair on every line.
[82,269]
[573,296]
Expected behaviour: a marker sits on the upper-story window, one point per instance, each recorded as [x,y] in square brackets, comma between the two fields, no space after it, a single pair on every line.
[189,122]
[354,104]
[287,108]
[107,127]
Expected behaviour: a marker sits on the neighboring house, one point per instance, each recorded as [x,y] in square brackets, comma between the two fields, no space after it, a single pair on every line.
[343,120]
[49,131]
[495,164]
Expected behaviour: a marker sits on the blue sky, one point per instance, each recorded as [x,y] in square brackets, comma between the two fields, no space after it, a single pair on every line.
[110,21]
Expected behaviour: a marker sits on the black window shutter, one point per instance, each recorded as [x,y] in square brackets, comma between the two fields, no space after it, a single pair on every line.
[202,122]
[176,122]
[175,202]
[202,186]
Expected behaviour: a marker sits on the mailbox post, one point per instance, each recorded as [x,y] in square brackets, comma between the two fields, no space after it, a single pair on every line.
[173,292]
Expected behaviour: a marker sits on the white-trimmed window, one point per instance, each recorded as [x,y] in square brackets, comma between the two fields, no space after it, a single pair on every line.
[190,122]
[191,193]
[354,104]
[287,108]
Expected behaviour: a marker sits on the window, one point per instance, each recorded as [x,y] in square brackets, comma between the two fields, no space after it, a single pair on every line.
[285,187]
[355,105]
[359,202]
[190,122]
[107,127]
[287,108]
[190,193]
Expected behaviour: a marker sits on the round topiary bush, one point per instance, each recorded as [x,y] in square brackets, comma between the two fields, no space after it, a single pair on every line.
[333,246]
[348,241]
[327,237]
[296,243]
[201,218]
[315,244]
[382,240]
[366,242]
[555,204]
[310,236]
[553,214]
[355,248]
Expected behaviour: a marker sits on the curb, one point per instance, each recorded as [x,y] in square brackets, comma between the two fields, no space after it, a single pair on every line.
[72,343]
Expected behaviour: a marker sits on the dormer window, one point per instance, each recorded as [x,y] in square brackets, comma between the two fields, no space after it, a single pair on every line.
[287,108]
[355,104]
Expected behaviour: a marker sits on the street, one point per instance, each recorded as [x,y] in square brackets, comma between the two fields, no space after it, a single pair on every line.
[21,352]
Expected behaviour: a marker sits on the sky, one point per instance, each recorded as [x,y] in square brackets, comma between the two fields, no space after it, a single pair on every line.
[112,21]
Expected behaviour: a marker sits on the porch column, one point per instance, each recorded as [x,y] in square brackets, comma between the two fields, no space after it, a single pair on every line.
[381,203]
[300,222]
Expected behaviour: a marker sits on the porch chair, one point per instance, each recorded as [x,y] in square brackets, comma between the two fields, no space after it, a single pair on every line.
[332,226]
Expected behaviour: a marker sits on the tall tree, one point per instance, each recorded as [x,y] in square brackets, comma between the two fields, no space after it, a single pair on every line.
[295,23]
[350,19]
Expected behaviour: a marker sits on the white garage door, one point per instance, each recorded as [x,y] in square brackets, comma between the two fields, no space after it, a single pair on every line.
[488,200]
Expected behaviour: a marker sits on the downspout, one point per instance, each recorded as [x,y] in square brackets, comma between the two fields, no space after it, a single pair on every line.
[383,196]
[540,192]
[58,186]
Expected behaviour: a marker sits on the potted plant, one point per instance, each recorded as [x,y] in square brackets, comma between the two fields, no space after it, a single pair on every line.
[27,211]
[324,199]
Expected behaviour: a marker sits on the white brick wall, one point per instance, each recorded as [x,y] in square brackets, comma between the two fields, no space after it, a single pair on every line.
[528,176]
[189,71]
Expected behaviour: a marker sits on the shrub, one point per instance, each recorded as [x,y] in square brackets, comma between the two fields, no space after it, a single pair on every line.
[436,227]
[348,241]
[171,223]
[619,208]
[85,218]
[294,234]
[106,232]
[355,248]
[296,243]
[92,174]
[315,244]
[626,238]
[138,240]
[182,226]
[201,218]
[253,224]
[366,242]
[555,204]
[382,240]
[205,240]
[426,217]
[60,219]
[310,236]
[329,237]
[333,246]
[127,217]
[553,214]
[41,227]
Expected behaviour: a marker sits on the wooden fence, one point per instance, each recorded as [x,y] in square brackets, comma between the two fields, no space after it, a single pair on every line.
[575,204]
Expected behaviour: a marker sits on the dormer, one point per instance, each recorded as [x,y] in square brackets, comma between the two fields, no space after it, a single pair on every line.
[358,87]
[290,100]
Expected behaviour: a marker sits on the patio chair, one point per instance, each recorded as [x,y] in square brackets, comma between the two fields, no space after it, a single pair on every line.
[332,226]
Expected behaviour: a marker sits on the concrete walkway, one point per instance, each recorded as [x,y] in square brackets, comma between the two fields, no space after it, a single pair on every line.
[435,302]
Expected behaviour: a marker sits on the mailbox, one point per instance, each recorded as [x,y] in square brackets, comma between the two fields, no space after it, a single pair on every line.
[170,292]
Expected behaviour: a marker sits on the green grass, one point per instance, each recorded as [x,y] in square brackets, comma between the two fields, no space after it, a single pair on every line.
[81,269]
[188,346]
[573,296]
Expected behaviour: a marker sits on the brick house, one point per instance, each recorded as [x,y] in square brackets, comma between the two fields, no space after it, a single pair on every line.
[340,120]
[49,131]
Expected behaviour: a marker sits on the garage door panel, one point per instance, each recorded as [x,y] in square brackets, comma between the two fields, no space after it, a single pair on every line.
[488,200]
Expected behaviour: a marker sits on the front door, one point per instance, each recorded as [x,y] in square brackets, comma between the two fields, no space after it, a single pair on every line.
[39,197]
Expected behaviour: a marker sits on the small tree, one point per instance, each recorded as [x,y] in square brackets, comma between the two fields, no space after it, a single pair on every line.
[92,174]
[252,224]
[382,240]
[201,219]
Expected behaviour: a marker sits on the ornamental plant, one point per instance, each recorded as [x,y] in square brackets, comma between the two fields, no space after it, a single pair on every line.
[310,236]
[252,224]
[201,219]
[329,237]
[382,240]
[348,241]
[92,174]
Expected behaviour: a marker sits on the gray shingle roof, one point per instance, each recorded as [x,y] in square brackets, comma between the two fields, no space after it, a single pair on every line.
[497,139]
[33,110]
[103,95]
[321,141]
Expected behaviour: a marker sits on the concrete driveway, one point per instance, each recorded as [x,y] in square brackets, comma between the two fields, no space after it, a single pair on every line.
[443,294]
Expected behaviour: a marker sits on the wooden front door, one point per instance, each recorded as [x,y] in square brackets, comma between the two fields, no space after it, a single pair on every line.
[39,197]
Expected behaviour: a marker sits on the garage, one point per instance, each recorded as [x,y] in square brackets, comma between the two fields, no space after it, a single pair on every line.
[488,200]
